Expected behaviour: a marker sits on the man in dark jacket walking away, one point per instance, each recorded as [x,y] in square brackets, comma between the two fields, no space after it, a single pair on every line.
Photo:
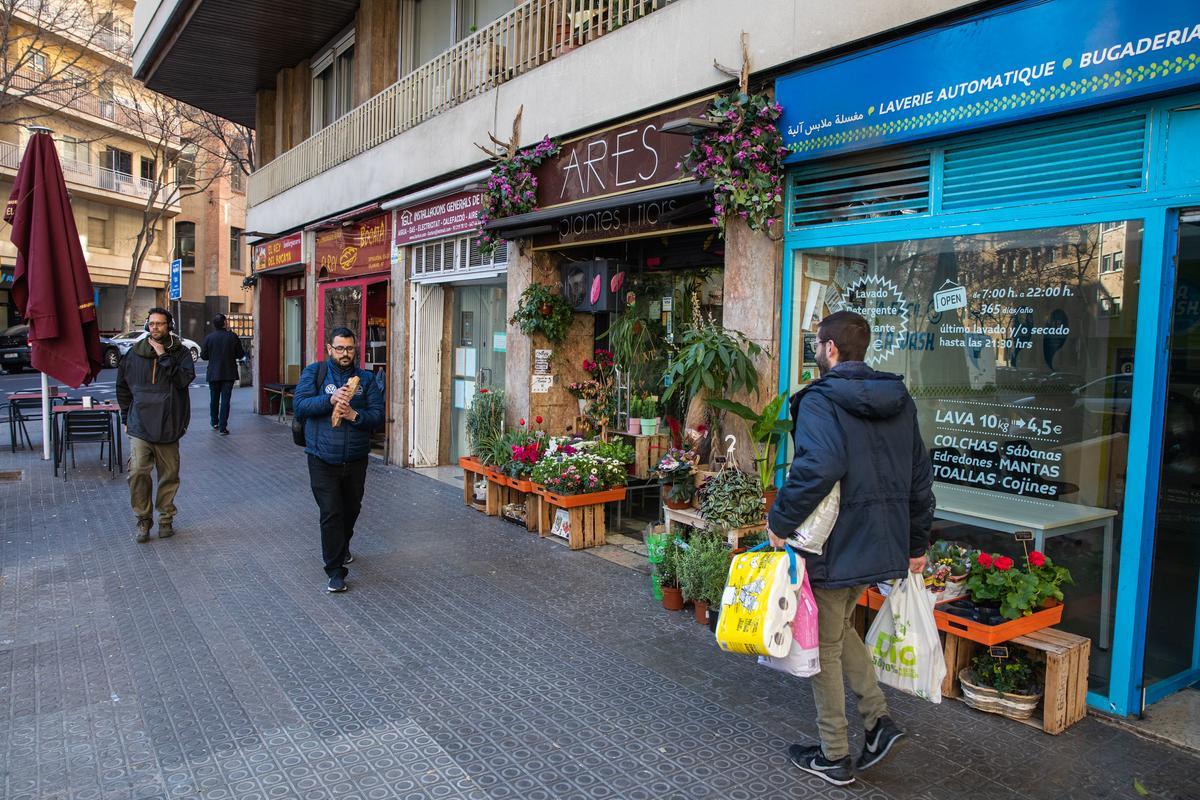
[152,390]
[221,349]
[337,454]
[857,426]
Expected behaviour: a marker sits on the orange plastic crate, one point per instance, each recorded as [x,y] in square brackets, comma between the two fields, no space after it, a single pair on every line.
[965,628]
[577,500]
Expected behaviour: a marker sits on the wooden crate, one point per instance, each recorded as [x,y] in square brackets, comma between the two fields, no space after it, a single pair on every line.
[502,491]
[587,523]
[648,451]
[1065,658]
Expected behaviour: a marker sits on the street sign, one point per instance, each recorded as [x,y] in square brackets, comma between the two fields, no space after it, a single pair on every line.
[176,279]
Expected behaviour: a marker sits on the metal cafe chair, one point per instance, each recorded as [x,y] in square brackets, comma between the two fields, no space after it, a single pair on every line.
[85,426]
[21,411]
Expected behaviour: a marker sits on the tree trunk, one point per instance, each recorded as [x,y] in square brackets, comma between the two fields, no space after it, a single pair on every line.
[141,248]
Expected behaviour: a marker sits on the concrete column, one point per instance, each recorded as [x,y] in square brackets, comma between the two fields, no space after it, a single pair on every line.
[398,300]
[519,350]
[266,127]
[311,300]
[376,47]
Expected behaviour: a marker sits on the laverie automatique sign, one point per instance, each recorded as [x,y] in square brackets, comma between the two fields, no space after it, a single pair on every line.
[1023,61]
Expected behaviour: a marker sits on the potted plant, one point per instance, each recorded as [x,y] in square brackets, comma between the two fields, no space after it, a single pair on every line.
[767,432]
[634,419]
[543,310]
[948,565]
[667,570]
[1006,686]
[712,360]
[674,471]
[484,421]
[648,414]
[731,499]
[703,568]
[1005,601]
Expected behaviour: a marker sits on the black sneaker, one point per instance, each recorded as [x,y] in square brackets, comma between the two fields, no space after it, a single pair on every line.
[215,427]
[337,585]
[813,761]
[224,431]
[879,741]
[349,558]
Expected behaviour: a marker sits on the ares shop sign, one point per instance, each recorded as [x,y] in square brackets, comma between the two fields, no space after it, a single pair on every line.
[283,252]
[623,158]
[362,247]
[1018,62]
[446,216]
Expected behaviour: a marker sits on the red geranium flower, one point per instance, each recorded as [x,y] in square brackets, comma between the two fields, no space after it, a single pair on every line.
[1003,563]
[538,420]
[984,560]
[1036,559]
[521,422]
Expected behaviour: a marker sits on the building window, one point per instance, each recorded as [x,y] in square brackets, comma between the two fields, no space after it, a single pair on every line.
[237,179]
[1112,262]
[76,154]
[235,249]
[185,244]
[118,161]
[149,172]
[1111,226]
[98,233]
[333,81]
[37,63]
[185,167]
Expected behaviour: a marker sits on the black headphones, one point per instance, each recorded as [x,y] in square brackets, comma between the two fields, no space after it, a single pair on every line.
[165,313]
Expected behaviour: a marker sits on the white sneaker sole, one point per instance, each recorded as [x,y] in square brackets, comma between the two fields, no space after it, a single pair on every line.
[822,774]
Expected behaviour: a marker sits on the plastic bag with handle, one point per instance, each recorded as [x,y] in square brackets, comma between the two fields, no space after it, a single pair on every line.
[804,659]
[904,644]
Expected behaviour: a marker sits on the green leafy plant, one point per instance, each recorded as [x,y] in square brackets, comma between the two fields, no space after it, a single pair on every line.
[543,310]
[616,449]
[1019,592]
[485,420]
[668,568]
[703,568]
[1013,675]
[767,431]
[712,359]
[635,341]
[731,499]
[743,158]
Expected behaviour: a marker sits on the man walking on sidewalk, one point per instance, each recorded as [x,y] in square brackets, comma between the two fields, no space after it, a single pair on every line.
[858,426]
[221,349]
[152,391]
[337,451]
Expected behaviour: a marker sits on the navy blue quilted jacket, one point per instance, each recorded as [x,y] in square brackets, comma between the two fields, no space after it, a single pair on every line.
[858,426]
[349,441]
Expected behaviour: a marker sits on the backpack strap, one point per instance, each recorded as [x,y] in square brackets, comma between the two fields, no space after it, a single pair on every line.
[322,371]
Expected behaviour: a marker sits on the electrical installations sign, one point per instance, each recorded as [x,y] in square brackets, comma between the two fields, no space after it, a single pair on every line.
[1019,62]
[435,219]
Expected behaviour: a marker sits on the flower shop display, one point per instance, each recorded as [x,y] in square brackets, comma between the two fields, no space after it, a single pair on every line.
[743,158]
[1006,600]
[512,186]
[947,567]
[573,490]
[543,310]
[1008,686]
[768,433]
[600,389]
[731,499]
[675,474]
[703,568]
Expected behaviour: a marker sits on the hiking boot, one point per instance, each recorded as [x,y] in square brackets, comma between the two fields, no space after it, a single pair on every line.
[812,760]
[143,531]
[165,531]
[349,558]
[337,585]
[879,740]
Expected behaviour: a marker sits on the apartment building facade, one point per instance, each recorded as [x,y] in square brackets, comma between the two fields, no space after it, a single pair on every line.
[370,115]
[68,69]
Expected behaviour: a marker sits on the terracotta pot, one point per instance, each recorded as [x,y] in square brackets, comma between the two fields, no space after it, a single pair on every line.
[700,610]
[672,598]
[675,504]
[769,498]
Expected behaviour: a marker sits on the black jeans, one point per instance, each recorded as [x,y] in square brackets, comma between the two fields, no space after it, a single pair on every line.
[338,489]
[219,393]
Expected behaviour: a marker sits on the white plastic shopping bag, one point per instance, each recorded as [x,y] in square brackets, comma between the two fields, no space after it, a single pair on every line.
[904,644]
[804,659]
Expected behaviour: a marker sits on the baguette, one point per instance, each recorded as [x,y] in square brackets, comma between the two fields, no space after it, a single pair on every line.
[352,385]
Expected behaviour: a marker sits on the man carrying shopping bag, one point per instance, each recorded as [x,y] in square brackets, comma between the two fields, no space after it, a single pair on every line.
[857,426]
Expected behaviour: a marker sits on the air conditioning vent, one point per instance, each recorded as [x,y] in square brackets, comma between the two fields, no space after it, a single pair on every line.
[860,189]
[1097,154]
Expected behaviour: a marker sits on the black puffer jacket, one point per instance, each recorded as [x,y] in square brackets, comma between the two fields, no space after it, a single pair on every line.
[222,349]
[153,391]
[859,426]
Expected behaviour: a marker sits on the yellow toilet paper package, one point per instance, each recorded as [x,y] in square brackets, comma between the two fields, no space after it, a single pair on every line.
[759,604]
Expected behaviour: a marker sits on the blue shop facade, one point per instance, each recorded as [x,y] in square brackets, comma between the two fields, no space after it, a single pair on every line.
[1013,200]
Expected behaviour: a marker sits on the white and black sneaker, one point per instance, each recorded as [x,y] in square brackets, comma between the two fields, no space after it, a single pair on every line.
[336,584]
[349,559]
[879,741]
[813,761]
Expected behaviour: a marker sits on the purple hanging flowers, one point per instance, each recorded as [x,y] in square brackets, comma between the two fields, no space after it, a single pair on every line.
[512,189]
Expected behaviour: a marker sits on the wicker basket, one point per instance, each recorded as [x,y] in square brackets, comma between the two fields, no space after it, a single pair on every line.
[1013,706]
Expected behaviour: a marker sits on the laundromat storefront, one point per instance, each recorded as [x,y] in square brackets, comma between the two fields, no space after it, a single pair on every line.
[1022,237]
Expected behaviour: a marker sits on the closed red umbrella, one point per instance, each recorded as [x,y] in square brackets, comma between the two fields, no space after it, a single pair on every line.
[51,285]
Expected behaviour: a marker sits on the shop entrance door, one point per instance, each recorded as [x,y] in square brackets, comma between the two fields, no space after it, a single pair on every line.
[1173,625]
[478,341]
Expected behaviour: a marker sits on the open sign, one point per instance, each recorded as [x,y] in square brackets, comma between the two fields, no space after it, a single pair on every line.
[949,298]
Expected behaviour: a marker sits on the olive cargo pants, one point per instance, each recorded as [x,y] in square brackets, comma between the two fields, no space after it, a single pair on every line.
[163,458]
[842,652]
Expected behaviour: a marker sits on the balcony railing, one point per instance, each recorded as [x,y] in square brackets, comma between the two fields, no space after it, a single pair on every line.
[522,40]
[83,174]
[25,82]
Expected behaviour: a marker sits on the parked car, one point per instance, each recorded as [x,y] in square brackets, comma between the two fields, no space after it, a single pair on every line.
[128,339]
[14,348]
[110,351]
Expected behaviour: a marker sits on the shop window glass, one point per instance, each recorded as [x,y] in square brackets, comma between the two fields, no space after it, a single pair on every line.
[1020,368]
[343,306]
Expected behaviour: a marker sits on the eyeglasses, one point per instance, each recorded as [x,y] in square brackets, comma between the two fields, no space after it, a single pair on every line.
[342,348]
